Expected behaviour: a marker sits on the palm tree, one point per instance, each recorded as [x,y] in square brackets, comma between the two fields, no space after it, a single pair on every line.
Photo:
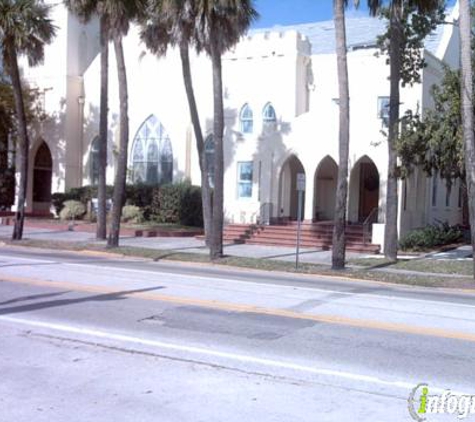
[25,28]
[172,23]
[219,26]
[86,10]
[115,16]
[338,250]
[465,28]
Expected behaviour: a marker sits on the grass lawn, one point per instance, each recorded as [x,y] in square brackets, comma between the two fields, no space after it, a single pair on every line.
[365,271]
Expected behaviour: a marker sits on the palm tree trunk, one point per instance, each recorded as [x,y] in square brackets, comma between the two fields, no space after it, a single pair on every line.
[216,238]
[24,144]
[205,188]
[121,174]
[395,59]
[101,232]
[338,252]
[465,28]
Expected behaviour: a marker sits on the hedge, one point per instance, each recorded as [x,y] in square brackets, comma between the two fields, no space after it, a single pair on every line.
[7,188]
[431,236]
[179,204]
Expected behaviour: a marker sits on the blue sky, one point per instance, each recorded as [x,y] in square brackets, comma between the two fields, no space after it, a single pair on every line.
[289,12]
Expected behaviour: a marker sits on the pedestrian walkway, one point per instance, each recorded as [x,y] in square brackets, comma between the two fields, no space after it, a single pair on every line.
[180,244]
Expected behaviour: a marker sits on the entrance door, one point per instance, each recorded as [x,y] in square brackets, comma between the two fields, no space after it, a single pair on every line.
[369,190]
[42,176]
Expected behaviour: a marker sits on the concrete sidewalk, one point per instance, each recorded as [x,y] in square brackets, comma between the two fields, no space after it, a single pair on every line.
[181,244]
[193,245]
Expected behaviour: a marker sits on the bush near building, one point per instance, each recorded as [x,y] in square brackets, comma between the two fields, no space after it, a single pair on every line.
[72,210]
[178,203]
[7,188]
[431,236]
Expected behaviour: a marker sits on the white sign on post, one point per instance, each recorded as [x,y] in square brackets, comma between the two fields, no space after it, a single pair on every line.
[301,181]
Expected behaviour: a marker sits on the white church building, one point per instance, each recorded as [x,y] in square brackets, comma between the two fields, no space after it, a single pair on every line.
[281,116]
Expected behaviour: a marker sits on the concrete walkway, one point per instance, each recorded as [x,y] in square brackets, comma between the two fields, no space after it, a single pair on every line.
[192,245]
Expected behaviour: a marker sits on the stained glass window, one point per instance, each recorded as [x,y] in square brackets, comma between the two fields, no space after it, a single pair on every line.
[152,154]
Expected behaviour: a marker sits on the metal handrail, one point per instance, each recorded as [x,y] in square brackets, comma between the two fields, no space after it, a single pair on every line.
[367,223]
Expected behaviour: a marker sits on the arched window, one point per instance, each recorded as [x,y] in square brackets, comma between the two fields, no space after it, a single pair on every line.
[152,154]
[269,119]
[268,114]
[209,159]
[94,162]
[246,119]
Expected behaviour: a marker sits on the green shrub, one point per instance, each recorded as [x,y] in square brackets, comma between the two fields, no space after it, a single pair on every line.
[431,236]
[7,188]
[141,195]
[179,203]
[132,214]
[72,210]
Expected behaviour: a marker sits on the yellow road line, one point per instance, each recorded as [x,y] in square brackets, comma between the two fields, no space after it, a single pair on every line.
[244,308]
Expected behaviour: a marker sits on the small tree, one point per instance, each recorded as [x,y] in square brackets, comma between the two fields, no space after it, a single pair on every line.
[409,22]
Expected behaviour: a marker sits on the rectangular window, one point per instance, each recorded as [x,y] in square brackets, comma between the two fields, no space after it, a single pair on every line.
[383,110]
[447,195]
[434,189]
[460,198]
[245,179]
[260,181]
[405,195]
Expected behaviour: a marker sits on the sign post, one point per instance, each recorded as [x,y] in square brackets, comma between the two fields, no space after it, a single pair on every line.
[301,190]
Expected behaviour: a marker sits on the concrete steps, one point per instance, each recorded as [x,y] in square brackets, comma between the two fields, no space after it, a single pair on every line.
[313,235]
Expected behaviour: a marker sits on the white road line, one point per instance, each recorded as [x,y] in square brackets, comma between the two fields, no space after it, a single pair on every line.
[247,283]
[241,358]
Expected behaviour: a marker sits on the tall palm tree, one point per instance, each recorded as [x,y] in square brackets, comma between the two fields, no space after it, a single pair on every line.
[85,10]
[172,23]
[25,28]
[115,18]
[465,28]
[219,26]
[338,250]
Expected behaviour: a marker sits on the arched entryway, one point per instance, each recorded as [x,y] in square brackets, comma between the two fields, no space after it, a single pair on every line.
[288,194]
[42,177]
[325,182]
[364,190]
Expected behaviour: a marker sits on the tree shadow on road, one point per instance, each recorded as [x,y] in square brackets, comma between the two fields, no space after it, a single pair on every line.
[121,295]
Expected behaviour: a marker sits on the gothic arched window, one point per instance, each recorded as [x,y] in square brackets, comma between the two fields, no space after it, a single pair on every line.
[246,119]
[152,154]
[209,159]
[94,161]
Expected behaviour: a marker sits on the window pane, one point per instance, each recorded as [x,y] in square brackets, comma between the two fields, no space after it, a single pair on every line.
[246,171]
[245,190]
[152,173]
[245,179]
[166,173]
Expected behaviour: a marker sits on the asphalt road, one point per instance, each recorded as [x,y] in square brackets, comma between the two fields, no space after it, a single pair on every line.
[93,338]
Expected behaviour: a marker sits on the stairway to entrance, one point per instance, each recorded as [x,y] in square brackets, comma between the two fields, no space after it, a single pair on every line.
[313,235]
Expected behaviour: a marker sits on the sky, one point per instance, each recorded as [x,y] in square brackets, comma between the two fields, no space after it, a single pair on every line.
[289,12]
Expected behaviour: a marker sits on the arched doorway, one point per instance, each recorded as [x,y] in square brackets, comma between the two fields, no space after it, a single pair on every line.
[42,177]
[288,194]
[326,177]
[364,190]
